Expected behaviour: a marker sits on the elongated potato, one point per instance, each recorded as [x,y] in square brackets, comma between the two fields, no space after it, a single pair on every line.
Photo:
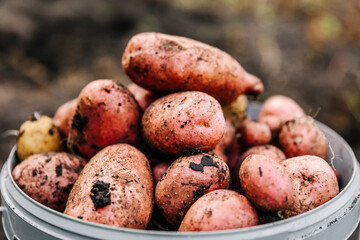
[183,121]
[219,210]
[165,63]
[187,179]
[114,188]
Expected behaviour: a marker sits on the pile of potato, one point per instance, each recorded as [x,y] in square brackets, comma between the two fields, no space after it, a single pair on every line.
[175,150]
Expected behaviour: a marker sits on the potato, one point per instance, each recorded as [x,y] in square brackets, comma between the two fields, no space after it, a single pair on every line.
[219,210]
[225,141]
[142,96]
[165,63]
[266,183]
[281,107]
[187,179]
[183,121]
[159,170]
[255,133]
[107,114]
[64,115]
[48,177]
[37,135]
[302,137]
[313,180]
[236,111]
[115,188]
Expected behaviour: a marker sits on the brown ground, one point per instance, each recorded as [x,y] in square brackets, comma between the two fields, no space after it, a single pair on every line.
[309,50]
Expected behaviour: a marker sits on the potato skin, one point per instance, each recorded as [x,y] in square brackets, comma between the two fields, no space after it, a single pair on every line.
[107,113]
[63,116]
[124,174]
[219,210]
[313,180]
[266,183]
[302,137]
[159,170]
[49,177]
[37,135]
[183,121]
[187,179]
[142,96]
[256,133]
[165,63]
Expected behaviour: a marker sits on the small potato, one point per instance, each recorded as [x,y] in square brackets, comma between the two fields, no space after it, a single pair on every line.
[159,170]
[313,180]
[114,188]
[186,180]
[302,137]
[165,63]
[219,210]
[107,114]
[37,135]
[49,177]
[255,133]
[236,111]
[64,115]
[266,183]
[142,96]
[183,121]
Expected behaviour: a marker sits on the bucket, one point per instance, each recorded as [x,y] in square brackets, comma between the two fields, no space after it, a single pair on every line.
[26,219]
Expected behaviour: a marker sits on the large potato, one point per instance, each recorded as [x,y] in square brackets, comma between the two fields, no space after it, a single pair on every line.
[107,113]
[165,63]
[219,210]
[37,135]
[183,121]
[114,188]
[187,179]
[313,180]
[49,177]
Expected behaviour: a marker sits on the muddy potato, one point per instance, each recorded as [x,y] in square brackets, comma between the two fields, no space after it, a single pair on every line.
[219,210]
[49,177]
[64,115]
[183,121]
[186,180]
[314,183]
[165,63]
[36,135]
[114,188]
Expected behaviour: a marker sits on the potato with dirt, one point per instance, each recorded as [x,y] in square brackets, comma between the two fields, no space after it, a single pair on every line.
[36,135]
[314,183]
[183,121]
[187,179]
[164,63]
[219,210]
[302,136]
[106,114]
[64,115]
[266,183]
[48,177]
[115,188]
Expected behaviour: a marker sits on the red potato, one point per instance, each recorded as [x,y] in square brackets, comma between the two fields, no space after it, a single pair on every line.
[64,115]
[266,183]
[183,121]
[187,179]
[256,133]
[219,210]
[48,177]
[314,183]
[142,96]
[301,136]
[225,142]
[159,170]
[281,107]
[107,114]
[165,63]
[115,188]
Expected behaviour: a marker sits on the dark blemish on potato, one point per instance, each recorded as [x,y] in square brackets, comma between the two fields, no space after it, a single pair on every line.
[57,185]
[95,147]
[119,104]
[308,178]
[34,172]
[80,217]
[182,126]
[45,177]
[42,183]
[48,160]
[260,172]
[100,104]
[168,105]
[100,194]
[79,122]
[58,170]
[208,213]
[105,89]
[191,152]
[120,84]
[51,131]
[116,176]
[201,190]
[171,45]
[165,123]
[205,161]
[68,188]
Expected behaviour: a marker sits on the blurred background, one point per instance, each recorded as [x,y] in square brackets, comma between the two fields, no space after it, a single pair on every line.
[307,49]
